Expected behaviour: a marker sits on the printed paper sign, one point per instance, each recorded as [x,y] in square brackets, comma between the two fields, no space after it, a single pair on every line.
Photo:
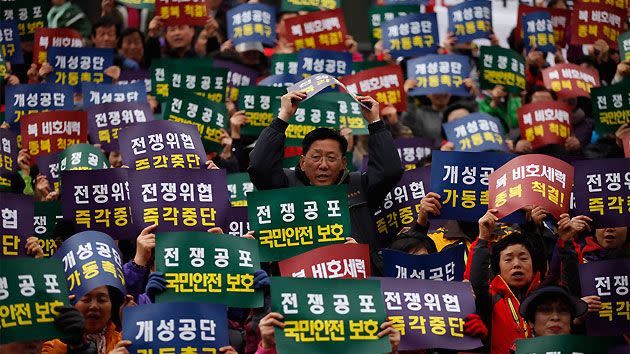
[113,93]
[182,12]
[74,66]
[429,314]
[470,20]
[561,344]
[447,265]
[312,85]
[258,104]
[381,14]
[346,261]
[538,32]
[21,100]
[590,22]
[411,35]
[570,80]
[205,267]
[443,73]
[239,185]
[32,289]
[290,221]
[602,189]
[321,29]
[196,327]
[476,132]
[17,223]
[532,179]
[29,14]
[329,315]
[501,66]
[48,132]
[544,123]
[54,37]
[10,46]
[107,119]
[384,83]
[315,61]
[308,5]
[611,106]
[196,75]
[252,23]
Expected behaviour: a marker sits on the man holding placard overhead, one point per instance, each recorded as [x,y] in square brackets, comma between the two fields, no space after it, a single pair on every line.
[323,163]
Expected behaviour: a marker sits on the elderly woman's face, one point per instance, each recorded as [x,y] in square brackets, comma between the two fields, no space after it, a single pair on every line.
[552,317]
[96,308]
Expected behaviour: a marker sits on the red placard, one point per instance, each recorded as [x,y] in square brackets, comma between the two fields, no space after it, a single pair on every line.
[48,132]
[182,12]
[318,30]
[544,123]
[384,83]
[334,261]
[626,145]
[538,180]
[560,19]
[590,22]
[570,80]
[54,37]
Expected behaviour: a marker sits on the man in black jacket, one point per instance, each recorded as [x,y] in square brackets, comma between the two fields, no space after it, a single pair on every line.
[323,163]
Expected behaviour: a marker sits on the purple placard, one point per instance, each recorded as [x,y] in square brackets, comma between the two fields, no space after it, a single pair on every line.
[608,280]
[8,152]
[161,144]
[49,166]
[132,76]
[238,75]
[410,150]
[281,80]
[601,189]
[425,303]
[17,223]
[179,200]
[107,119]
[235,221]
[99,200]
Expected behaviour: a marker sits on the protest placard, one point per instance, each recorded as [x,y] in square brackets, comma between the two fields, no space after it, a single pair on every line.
[25,99]
[476,132]
[411,35]
[432,317]
[31,291]
[562,344]
[624,46]
[196,75]
[48,166]
[602,189]
[345,261]
[308,5]
[443,73]
[8,152]
[384,83]
[560,21]
[316,61]
[238,75]
[113,93]
[82,157]
[225,276]
[239,185]
[3,69]
[348,111]
[45,216]
[592,20]
[258,104]
[611,106]
[235,222]
[470,20]
[10,45]
[74,66]
[533,179]
[501,66]
[182,12]
[283,80]
[252,23]
[107,119]
[284,63]
[139,4]
[543,123]
[321,29]
[312,85]
[29,14]
[49,132]
[54,37]
[128,77]
[17,223]
[538,32]
[358,66]
[329,315]
[447,265]
[161,144]
[570,80]
[380,14]
[290,221]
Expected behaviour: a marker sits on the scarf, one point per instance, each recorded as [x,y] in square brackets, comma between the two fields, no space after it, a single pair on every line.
[99,339]
[55,14]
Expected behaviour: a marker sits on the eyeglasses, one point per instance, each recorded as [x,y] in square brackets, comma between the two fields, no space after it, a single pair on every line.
[318,158]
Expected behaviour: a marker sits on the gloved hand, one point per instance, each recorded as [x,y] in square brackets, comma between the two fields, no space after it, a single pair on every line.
[71,323]
[475,327]
[261,279]
[155,285]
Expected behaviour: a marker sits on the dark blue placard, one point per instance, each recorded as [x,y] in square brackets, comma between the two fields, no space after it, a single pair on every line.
[10,46]
[194,325]
[466,175]
[439,74]
[109,93]
[447,265]
[91,259]
[476,132]
[20,100]
[411,35]
[284,80]
[88,64]
[538,32]
[470,20]
[315,61]
[131,76]
[252,23]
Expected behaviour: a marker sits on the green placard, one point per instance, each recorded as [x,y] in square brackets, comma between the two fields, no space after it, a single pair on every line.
[381,14]
[358,66]
[209,117]
[45,217]
[82,157]
[139,4]
[308,5]
[324,316]
[349,111]
[205,267]
[284,64]
[314,113]
[239,185]
[562,344]
[292,161]
[501,66]
[195,75]
[261,106]
[30,14]
[624,46]
[32,289]
[611,106]
[291,221]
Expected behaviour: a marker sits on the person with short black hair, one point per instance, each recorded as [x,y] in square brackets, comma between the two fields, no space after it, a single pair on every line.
[551,310]
[104,33]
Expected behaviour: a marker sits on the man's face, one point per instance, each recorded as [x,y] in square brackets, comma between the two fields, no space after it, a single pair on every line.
[323,162]
[179,36]
[105,37]
[541,96]
[515,264]
[552,317]
[611,238]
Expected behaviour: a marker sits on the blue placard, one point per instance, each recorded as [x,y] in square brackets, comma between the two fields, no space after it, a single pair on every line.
[283,80]
[21,100]
[470,20]
[476,132]
[91,259]
[315,61]
[538,32]
[74,66]
[252,23]
[190,327]
[439,74]
[447,265]
[10,46]
[411,35]
[461,179]
[113,93]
